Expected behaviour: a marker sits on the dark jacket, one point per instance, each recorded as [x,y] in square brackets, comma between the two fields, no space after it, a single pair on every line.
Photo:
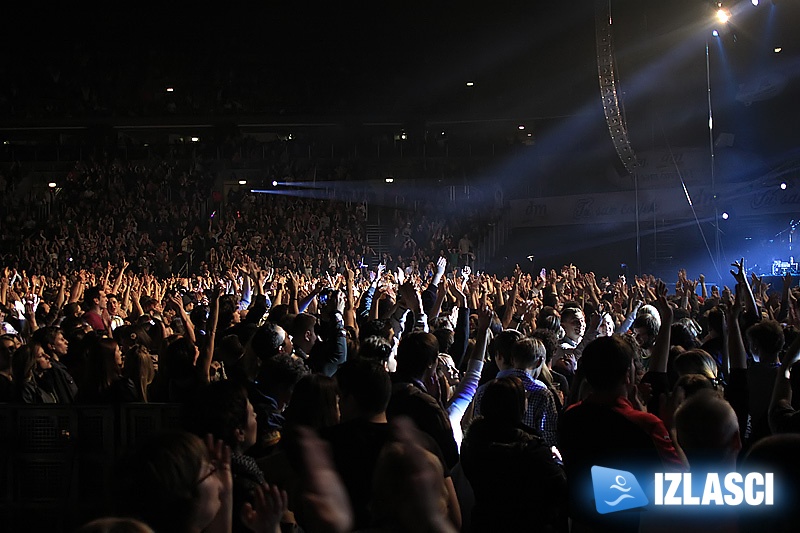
[518,486]
[331,351]
[33,392]
[410,399]
[63,384]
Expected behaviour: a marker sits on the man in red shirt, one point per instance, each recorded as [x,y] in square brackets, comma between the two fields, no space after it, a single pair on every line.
[95,302]
[607,430]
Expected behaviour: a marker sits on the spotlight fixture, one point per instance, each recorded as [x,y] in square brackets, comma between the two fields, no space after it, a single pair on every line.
[242,182]
[521,127]
[170,90]
[723,16]
[777,49]
[715,33]
[389,180]
[783,186]
[470,84]
[274,183]
[725,215]
[195,139]
[754,2]
[52,184]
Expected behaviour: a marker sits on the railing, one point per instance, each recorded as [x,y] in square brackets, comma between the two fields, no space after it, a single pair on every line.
[57,462]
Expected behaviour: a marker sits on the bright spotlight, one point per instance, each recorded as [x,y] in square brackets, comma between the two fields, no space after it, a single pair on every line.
[389,180]
[195,139]
[52,185]
[777,49]
[470,84]
[754,2]
[723,16]
[170,90]
[715,33]
[521,127]
[274,183]
[783,186]
[725,216]
[242,182]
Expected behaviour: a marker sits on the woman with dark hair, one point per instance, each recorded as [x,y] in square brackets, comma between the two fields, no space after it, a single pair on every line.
[222,409]
[138,367]
[7,349]
[510,467]
[314,403]
[178,378]
[29,365]
[103,380]
[183,366]
[173,482]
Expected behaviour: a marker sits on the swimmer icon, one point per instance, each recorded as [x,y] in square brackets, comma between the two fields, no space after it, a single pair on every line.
[616,490]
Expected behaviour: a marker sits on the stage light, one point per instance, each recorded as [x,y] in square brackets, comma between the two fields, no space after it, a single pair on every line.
[521,127]
[274,183]
[783,186]
[725,216]
[777,49]
[723,16]
[170,90]
[715,33]
[470,84]
[389,180]
[754,2]
[52,184]
[195,139]
[242,182]
[403,136]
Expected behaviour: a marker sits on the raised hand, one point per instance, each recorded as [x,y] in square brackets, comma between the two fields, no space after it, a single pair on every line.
[734,310]
[326,504]
[221,459]
[176,301]
[485,314]
[727,296]
[738,274]
[661,303]
[265,513]
[441,265]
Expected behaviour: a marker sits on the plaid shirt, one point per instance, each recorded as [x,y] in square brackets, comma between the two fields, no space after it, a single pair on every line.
[542,414]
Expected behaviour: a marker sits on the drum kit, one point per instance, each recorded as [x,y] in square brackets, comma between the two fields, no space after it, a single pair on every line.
[781,267]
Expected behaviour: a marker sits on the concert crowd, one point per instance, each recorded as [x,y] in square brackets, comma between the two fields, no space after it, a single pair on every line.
[325,385]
